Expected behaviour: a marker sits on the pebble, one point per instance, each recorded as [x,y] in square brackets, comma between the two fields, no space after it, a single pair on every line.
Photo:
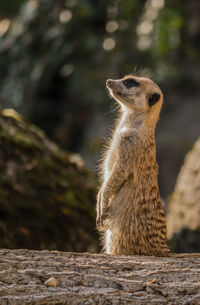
[51,282]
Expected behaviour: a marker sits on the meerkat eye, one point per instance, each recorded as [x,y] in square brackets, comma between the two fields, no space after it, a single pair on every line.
[130,82]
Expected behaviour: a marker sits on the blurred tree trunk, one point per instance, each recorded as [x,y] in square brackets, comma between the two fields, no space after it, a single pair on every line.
[183,219]
[47,197]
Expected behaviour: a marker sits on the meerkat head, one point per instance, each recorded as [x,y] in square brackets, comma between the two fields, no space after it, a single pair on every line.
[137,94]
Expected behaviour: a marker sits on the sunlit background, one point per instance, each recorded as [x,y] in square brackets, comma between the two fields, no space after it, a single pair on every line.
[55,56]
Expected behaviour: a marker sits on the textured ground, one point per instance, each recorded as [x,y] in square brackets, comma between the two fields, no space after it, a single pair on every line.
[97,279]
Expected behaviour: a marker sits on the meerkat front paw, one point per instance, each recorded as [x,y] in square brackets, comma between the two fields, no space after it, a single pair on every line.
[101,217]
[102,207]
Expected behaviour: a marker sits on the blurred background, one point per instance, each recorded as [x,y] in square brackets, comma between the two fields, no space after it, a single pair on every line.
[55,56]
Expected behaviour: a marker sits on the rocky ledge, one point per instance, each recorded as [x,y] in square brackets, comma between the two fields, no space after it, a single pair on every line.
[53,277]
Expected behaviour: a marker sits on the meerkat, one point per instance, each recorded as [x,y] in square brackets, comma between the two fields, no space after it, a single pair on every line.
[130,215]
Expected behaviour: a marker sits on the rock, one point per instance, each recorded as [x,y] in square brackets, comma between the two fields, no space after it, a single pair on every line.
[52,282]
[47,196]
[98,279]
[183,219]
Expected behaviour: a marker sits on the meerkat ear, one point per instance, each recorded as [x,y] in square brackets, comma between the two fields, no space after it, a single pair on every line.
[153,99]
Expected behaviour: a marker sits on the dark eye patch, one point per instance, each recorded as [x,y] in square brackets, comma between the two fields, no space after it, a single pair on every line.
[130,82]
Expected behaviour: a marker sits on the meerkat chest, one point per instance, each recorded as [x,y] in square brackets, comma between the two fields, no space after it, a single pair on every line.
[110,159]
[113,151]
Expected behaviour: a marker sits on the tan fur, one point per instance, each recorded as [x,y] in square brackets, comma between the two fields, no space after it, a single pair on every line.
[130,215]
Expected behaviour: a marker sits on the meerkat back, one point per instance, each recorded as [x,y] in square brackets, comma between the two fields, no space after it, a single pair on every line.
[130,215]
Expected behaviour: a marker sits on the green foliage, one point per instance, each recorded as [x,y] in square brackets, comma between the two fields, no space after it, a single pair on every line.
[169,28]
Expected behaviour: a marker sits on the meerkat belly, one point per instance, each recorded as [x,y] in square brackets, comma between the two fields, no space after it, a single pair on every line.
[124,203]
[133,219]
[117,216]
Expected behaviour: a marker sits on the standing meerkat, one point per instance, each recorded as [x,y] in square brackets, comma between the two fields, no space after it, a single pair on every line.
[130,214]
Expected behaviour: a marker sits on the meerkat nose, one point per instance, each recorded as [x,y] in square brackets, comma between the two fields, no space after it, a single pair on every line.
[109,82]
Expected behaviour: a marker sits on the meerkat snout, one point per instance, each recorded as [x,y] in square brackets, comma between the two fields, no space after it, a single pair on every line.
[109,83]
[115,88]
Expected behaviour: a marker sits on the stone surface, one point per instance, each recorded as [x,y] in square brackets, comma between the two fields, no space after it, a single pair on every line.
[183,218]
[97,279]
[47,196]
